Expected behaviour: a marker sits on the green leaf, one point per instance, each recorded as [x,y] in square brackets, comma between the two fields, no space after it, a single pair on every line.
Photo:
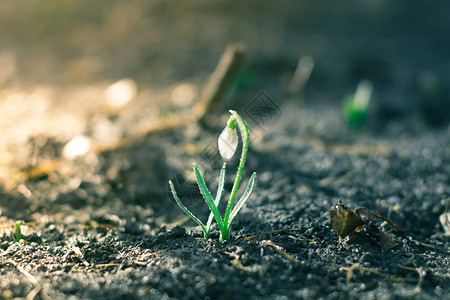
[181,205]
[17,232]
[207,196]
[244,198]
[218,195]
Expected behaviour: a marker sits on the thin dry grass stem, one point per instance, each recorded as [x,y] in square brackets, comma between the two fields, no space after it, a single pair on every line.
[140,261]
[220,80]
[420,271]
[107,265]
[151,254]
[376,272]
[301,75]
[24,272]
[238,265]
[429,245]
[280,251]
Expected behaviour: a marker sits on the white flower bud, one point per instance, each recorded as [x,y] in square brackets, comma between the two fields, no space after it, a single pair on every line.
[228,139]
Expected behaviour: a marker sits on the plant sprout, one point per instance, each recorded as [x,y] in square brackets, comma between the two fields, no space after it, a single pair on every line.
[227,143]
[356,107]
[17,232]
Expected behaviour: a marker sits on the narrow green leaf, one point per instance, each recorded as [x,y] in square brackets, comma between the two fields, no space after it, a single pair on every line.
[243,199]
[181,205]
[218,195]
[207,196]
[17,232]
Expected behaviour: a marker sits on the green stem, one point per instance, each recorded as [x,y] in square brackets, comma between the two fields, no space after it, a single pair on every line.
[218,197]
[224,231]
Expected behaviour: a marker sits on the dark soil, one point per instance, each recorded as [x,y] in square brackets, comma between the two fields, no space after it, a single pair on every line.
[103,225]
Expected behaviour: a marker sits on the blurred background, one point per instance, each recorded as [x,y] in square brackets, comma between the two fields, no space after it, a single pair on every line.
[161,42]
[76,73]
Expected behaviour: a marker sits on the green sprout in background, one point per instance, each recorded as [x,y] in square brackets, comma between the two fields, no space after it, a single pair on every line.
[356,107]
[17,232]
[227,142]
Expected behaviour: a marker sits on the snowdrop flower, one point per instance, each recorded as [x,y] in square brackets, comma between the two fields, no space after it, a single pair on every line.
[227,143]
[228,139]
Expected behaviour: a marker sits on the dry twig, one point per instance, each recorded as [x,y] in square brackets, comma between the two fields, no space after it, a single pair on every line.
[377,272]
[421,272]
[36,286]
[280,250]
[428,245]
[301,75]
[219,81]
[107,265]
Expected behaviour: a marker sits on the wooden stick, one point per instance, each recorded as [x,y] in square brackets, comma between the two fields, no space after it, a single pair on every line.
[280,250]
[301,75]
[219,81]
[37,287]
[377,272]
[24,272]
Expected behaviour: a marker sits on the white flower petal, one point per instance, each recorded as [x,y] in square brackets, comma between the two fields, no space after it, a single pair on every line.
[227,142]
